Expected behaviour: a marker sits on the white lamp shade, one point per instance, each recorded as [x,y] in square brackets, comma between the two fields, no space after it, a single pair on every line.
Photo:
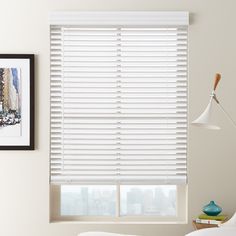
[204,120]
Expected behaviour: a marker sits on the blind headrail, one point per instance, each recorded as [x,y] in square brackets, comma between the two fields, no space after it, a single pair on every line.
[127,18]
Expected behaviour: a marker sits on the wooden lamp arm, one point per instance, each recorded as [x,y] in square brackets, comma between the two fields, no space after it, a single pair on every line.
[217,80]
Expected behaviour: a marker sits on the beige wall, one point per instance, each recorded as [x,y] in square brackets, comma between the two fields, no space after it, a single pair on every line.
[24,195]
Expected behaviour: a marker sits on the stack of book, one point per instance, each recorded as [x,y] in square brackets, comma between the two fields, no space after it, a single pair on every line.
[212,220]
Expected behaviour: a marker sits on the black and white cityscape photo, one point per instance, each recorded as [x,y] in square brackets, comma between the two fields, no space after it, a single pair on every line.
[10,102]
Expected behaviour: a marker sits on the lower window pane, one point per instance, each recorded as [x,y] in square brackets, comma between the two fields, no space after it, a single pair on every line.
[88,200]
[148,200]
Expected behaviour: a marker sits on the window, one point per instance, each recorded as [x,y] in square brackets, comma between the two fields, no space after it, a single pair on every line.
[119,116]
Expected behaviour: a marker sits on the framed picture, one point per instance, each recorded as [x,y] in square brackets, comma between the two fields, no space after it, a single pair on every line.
[16,102]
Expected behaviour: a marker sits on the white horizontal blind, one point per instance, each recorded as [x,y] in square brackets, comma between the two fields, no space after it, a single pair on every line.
[118,104]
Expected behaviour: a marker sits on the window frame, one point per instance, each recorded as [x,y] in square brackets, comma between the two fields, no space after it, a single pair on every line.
[181,206]
[143,19]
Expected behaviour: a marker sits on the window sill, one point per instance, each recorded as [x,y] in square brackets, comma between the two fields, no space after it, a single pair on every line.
[121,222]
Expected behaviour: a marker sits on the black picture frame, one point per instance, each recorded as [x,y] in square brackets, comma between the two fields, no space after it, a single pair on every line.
[28,62]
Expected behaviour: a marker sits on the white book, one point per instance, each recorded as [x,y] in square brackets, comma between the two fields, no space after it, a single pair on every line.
[211,222]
